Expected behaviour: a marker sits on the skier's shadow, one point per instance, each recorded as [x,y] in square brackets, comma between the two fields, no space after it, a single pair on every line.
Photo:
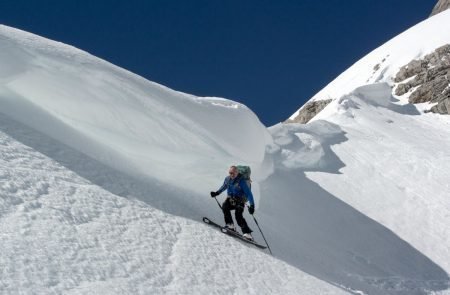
[323,236]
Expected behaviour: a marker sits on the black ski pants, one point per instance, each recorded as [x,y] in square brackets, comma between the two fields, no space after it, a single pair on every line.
[232,204]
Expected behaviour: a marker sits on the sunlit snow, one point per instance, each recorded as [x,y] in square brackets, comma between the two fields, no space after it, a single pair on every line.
[105,176]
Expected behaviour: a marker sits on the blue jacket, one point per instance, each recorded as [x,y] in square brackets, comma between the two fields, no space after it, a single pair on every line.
[237,188]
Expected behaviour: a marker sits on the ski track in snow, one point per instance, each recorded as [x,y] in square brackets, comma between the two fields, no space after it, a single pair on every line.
[62,234]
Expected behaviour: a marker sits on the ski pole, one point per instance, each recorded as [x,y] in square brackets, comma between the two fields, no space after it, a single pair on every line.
[262,234]
[218,203]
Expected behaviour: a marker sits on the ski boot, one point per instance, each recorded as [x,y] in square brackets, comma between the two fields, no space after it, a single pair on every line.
[248,236]
[230,226]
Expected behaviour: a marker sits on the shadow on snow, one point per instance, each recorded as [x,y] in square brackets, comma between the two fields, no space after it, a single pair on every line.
[316,232]
[327,238]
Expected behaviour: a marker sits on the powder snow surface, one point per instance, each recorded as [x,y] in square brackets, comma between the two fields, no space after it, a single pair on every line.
[104,178]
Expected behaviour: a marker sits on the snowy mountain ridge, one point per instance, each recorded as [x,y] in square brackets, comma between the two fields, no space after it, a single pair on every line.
[440,6]
[104,178]
[383,63]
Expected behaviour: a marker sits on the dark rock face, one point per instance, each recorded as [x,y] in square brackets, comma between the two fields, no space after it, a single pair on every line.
[440,6]
[309,110]
[429,80]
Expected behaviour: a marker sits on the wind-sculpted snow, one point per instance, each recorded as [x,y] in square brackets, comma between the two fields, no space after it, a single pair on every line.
[124,120]
[333,240]
[389,169]
[298,146]
[104,178]
[63,234]
[95,162]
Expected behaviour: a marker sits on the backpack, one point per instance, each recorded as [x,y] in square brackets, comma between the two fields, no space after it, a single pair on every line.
[245,173]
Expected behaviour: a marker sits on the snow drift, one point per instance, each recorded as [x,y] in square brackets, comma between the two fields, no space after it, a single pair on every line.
[93,161]
[124,120]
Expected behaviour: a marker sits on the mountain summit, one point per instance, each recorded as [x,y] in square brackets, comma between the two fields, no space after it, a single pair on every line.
[440,6]
[420,53]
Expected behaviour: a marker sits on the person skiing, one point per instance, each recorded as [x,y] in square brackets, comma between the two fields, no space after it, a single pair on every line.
[238,192]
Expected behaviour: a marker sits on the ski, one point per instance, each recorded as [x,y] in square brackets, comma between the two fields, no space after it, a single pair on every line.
[241,237]
[232,233]
[208,221]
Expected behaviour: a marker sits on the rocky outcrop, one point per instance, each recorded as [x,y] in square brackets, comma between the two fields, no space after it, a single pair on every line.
[428,80]
[309,110]
[440,6]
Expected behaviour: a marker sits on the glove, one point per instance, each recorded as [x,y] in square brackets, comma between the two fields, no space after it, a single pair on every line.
[214,194]
[251,209]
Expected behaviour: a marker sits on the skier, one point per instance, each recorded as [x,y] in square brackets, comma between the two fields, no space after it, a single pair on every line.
[238,192]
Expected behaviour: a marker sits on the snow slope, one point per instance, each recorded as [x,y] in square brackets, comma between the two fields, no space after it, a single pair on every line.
[105,177]
[63,234]
[95,162]
[369,190]
[127,121]
[383,63]
[390,160]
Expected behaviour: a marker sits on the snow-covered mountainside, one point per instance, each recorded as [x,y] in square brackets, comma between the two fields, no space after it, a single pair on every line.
[392,162]
[71,225]
[105,176]
[99,170]
[383,63]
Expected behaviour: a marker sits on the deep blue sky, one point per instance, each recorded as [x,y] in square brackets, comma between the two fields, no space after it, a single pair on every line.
[269,55]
